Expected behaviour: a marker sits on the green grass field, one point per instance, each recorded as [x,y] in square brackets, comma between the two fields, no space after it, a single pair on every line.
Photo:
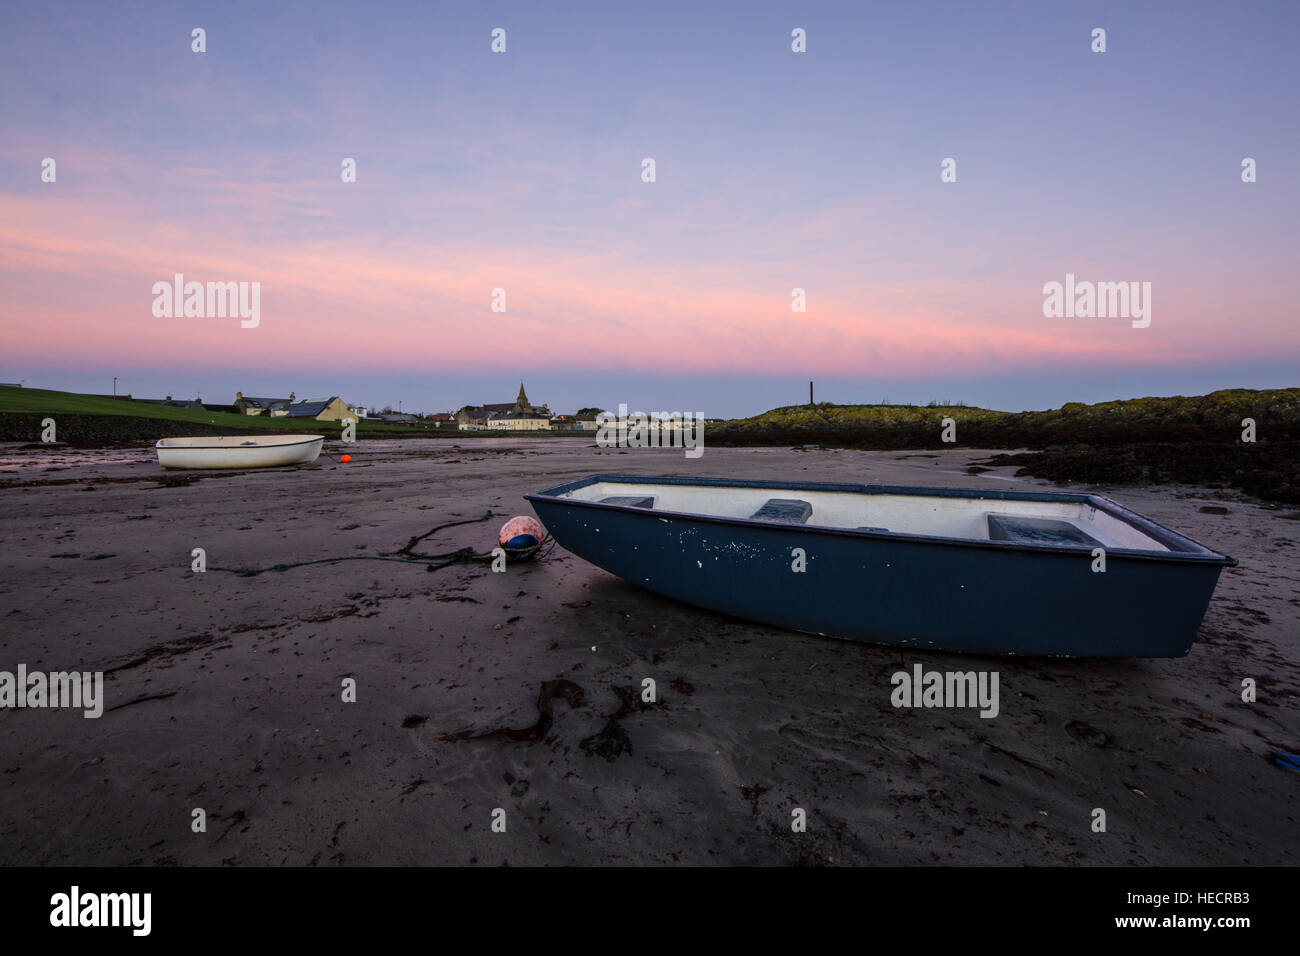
[42,401]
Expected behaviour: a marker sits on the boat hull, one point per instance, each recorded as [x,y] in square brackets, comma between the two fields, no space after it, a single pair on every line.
[231,452]
[917,593]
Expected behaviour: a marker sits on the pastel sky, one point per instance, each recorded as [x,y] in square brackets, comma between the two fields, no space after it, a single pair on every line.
[775,170]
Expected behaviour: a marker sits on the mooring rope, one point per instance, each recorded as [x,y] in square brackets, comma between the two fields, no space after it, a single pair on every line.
[433,562]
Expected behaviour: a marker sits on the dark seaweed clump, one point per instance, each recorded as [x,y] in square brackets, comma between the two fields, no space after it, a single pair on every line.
[1270,471]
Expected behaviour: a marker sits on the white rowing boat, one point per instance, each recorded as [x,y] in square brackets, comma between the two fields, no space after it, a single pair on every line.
[239,451]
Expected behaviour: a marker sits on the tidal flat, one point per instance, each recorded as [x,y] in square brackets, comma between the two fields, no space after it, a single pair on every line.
[225,695]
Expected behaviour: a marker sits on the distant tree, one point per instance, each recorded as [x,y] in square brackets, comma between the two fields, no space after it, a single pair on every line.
[386,410]
[590,411]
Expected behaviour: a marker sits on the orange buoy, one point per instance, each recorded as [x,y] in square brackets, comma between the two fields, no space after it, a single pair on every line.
[346,458]
[520,536]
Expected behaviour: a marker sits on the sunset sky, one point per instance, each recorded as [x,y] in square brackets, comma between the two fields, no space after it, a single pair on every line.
[775,170]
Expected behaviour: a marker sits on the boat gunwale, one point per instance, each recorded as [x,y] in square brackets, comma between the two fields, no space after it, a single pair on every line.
[307,440]
[1189,551]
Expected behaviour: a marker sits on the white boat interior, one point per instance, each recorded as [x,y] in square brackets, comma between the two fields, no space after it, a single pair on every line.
[1073,523]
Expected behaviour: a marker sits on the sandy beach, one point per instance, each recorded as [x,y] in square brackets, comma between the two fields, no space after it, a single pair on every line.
[224,693]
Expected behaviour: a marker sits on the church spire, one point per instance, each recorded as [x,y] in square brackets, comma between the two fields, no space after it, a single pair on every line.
[521,402]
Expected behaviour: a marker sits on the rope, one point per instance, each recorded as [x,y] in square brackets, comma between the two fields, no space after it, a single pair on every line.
[406,549]
[433,562]
[468,555]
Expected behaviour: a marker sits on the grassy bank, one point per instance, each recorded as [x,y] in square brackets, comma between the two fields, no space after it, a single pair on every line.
[1214,417]
[92,418]
[1193,440]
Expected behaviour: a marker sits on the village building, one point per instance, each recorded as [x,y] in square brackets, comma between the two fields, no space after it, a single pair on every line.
[332,409]
[526,416]
[517,421]
[247,405]
[474,417]
[575,423]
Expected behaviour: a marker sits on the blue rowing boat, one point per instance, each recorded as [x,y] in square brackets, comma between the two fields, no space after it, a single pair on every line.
[980,572]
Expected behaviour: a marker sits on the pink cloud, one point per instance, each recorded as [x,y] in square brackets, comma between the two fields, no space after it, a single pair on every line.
[77,271]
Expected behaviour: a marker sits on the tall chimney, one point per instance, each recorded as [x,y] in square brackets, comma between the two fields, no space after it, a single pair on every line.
[810,398]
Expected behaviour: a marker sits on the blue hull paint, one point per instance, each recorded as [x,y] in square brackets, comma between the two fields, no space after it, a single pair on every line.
[912,591]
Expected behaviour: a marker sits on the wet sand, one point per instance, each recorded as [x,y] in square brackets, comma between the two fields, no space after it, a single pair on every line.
[224,692]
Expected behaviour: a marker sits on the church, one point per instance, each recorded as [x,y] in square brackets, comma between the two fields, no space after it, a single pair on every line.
[521,415]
